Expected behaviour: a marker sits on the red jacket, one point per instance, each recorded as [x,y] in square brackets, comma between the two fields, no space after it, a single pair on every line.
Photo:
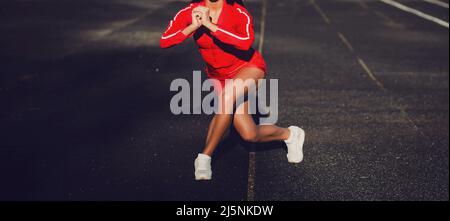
[224,51]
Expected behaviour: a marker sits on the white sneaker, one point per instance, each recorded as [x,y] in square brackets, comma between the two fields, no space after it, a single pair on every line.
[295,144]
[203,167]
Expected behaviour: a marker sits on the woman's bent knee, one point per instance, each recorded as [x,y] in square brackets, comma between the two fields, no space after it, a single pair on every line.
[250,136]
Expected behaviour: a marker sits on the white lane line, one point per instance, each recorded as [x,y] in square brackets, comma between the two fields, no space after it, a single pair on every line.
[370,73]
[416,12]
[262,30]
[346,42]
[437,2]
[252,154]
[384,17]
[106,31]
[251,176]
[321,12]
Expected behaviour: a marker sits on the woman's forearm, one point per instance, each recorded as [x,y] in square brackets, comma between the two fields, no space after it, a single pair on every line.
[211,26]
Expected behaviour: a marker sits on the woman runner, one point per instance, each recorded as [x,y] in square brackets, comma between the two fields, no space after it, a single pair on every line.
[223,31]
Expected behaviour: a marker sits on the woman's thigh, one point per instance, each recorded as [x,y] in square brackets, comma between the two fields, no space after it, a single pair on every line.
[243,120]
[250,73]
[238,86]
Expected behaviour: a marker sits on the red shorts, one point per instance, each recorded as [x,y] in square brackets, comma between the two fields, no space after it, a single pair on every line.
[257,61]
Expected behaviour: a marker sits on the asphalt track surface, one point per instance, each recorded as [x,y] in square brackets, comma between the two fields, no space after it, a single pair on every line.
[84,95]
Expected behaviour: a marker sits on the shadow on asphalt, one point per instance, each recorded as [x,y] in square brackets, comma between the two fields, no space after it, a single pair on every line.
[89,119]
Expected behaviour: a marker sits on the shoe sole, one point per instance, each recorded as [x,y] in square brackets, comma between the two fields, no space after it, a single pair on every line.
[203,178]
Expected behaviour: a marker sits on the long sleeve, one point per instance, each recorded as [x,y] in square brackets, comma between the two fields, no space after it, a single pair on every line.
[174,33]
[242,36]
